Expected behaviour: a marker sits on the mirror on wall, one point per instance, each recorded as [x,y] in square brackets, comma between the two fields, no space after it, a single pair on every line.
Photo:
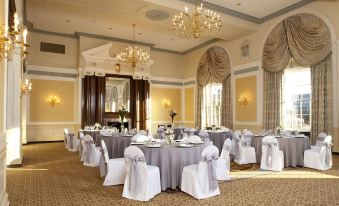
[117,94]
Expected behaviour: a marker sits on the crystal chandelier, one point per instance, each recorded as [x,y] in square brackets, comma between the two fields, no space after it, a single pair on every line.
[196,24]
[12,38]
[133,55]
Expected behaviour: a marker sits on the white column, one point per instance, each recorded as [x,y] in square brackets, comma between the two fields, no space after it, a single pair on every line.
[13,134]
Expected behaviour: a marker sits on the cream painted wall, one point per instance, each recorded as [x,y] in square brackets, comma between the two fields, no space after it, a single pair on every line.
[47,59]
[159,113]
[189,104]
[40,111]
[248,86]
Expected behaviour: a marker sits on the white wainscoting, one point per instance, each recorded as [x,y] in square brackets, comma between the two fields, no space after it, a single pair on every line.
[49,131]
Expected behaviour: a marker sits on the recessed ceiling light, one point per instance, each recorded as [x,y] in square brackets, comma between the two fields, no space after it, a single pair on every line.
[172,39]
[140,33]
[68,21]
[238,4]
[110,28]
[157,15]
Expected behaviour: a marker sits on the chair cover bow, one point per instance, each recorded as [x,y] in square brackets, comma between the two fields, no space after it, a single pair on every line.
[328,154]
[211,161]
[237,147]
[134,173]
[87,148]
[269,153]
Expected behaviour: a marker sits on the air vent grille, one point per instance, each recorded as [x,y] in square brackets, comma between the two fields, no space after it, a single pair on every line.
[52,48]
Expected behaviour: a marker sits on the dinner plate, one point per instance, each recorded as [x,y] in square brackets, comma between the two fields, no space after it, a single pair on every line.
[192,142]
[137,143]
[154,145]
[186,145]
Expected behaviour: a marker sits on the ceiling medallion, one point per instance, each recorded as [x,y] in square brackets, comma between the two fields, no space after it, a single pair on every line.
[133,56]
[198,23]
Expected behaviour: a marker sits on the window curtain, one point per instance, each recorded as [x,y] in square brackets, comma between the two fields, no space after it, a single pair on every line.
[214,66]
[322,112]
[307,39]
[226,115]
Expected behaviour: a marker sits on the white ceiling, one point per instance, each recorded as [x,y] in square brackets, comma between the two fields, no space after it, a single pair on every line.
[255,8]
[96,17]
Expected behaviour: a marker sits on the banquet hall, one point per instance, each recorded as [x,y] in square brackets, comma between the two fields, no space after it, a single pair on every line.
[169,102]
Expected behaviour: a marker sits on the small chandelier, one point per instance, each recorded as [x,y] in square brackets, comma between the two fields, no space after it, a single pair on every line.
[12,38]
[53,101]
[26,87]
[133,55]
[196,24]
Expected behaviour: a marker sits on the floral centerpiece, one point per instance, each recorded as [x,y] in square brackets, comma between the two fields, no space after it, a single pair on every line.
[169,136]
[122,113]
[97,126]
[279,130]
[172,114]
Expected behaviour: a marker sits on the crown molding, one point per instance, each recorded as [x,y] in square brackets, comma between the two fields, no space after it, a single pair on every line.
[250,18]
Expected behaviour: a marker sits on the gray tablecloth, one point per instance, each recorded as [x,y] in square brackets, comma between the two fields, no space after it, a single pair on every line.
[293,149]
[94,134]
[116,144]
[171,160]
[218,138]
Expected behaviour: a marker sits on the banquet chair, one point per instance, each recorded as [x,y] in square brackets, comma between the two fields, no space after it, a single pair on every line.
[81,146]
[72,143]
[139,138]
[225,152]
[189,131]
[320,139]
[194,138]
[272,158]
[91,153]
[235,134]
[142,181]
[204,134]
[243,154]
[248,138]
[65,138]
[200,180]
[319,158]
[161,132]
[116,169]
[223,166]
[142,132]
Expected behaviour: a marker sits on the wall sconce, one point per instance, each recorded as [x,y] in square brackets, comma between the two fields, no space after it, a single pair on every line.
[166,103]
[53,101]
[11,38]
[117,68]
[26,87]
[243,99]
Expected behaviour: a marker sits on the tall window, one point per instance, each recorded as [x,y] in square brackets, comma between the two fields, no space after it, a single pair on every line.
[296,99]
[211,105]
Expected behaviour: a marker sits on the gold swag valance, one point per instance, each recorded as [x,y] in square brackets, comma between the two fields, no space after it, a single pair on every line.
[213,65]
[304,37]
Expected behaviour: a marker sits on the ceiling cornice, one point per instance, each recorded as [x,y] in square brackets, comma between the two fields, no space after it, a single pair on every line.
[247,17]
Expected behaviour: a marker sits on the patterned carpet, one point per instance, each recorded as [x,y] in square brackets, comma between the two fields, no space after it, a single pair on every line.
[52,176]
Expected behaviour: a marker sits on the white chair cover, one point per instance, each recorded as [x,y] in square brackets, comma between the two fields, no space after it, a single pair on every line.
[235,134]
[142,181]
[139,138]
[200,181]
[243,154]
[319,158]
[194,138]
[204,135]
[224,161]
[189,131]
[91,153]
[142,132]
[116,169]
[81,146]
[65,137]
[72,143]
[248,138]
[161,132]
[320,139]
[272,158]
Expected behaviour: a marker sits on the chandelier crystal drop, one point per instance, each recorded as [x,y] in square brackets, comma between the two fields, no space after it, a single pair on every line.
[200,22]
[133,55]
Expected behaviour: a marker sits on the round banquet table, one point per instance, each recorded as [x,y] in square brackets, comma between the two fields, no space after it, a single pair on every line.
[115,144]
[218,138]
[171,160]
[292,147]
[93,133]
